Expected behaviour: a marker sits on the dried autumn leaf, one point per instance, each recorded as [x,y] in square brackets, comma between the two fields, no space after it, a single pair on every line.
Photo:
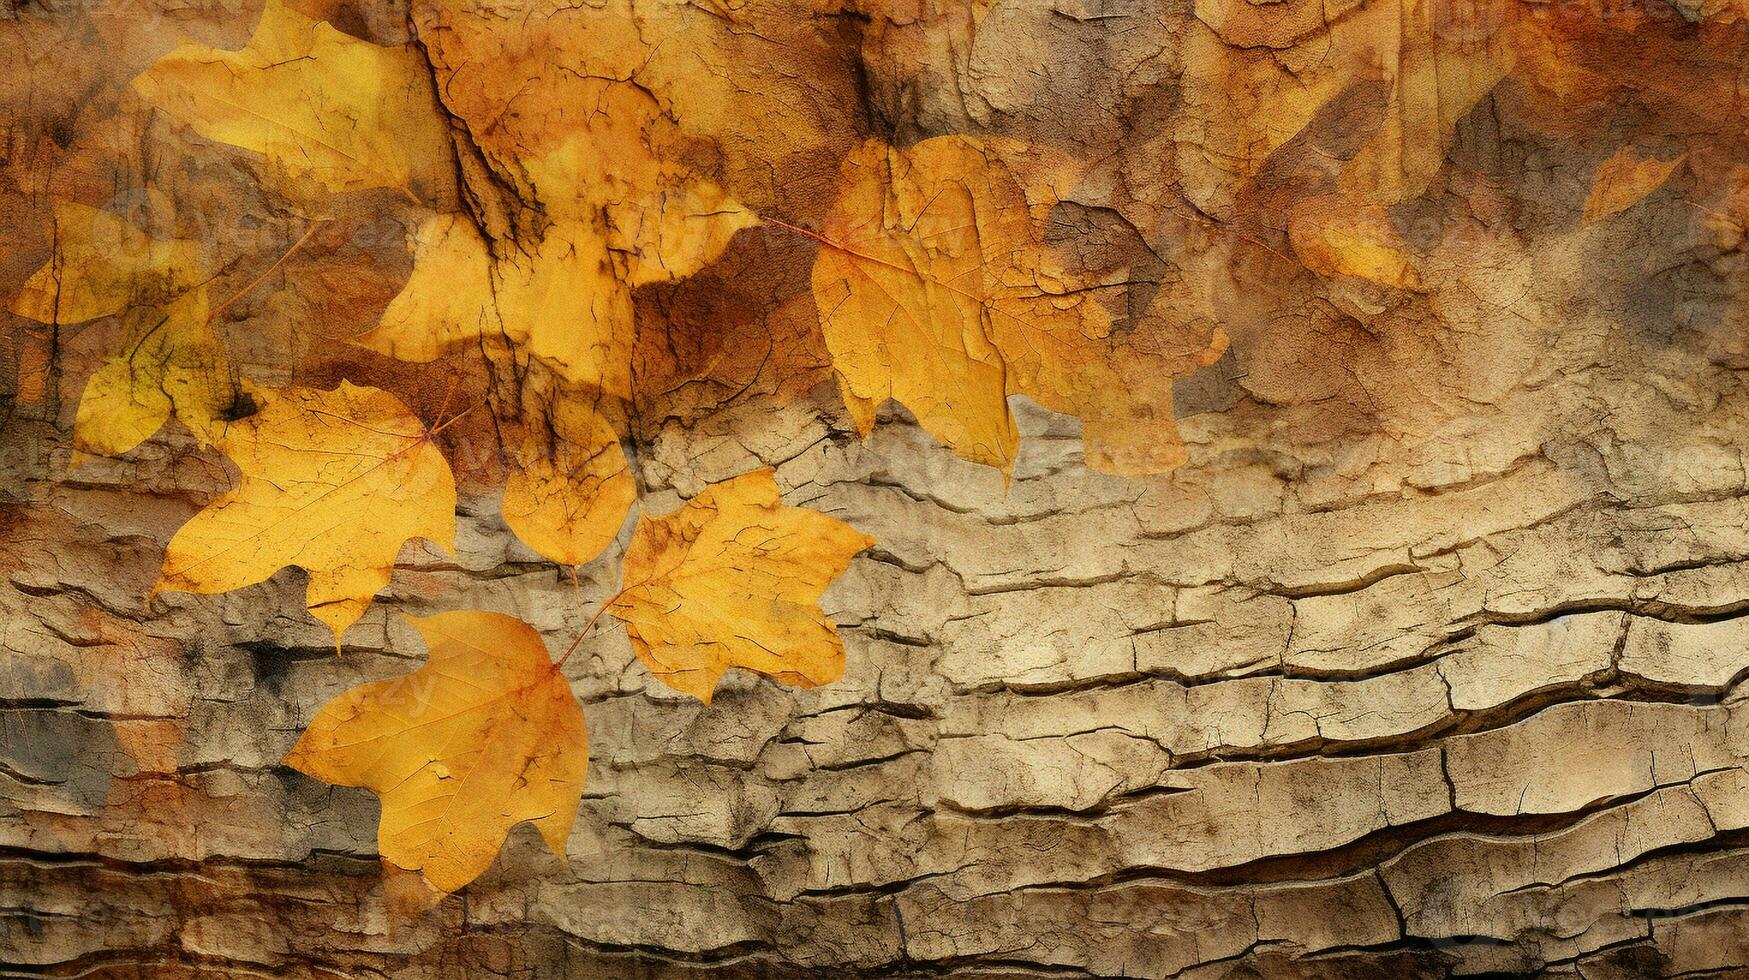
[573,489]
[668,236]
[561,302]
[567,298]
[734,579]
[482,737]
[1624,180]
[661,220]
[1119,384]
[1337,237]
[329,112]
[919,251]
[102,266]
[936,289]
[560,116]
[644,79]
[565,100]
[333,482]
[170,363]
[1390,81]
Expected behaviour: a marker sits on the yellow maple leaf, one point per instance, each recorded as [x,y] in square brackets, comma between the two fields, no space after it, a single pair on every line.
[333,482]
[102,265]
[936,289]
[560,117]
[170,363]
[482,737]
[1336,236]
[734,579]
[1624,180]
[912,267]
[561,301]
[329,112]
[566,298]
[571,490]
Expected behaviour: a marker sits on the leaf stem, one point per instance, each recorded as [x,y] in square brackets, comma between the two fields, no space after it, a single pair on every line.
[239,294]
[457,417]
[587,627]
[798,229]
[448,393]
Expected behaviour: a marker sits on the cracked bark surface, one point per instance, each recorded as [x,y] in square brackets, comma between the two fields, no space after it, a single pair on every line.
[1427,663]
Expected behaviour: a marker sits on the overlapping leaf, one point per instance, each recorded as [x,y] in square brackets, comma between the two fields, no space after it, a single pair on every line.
[333,482]
[560,301]
[1625,179]
[103,265]
[935,289]
[565,298]
[331,113]
[571,488]
[169,361]
[574,131]
[482,737]
[734,579]
[327,111]
[923,248]
[1393,80]
[570,126]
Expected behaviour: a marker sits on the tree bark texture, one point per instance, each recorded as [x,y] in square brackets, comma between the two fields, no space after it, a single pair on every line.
[1426,663]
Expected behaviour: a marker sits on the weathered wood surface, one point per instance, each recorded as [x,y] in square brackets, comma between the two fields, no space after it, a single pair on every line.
[1427,663]
[1086,728]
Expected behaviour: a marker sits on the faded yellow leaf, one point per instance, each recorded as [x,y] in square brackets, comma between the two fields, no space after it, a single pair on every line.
[624,220]
[329,112]
[333,482]
[661,220]
[572,490]
[734,579]
[621,199]
[482,737]
[1338,237]
[935,289]
[921,249]
[169,360]
[102,266]
[561,302]
[1119,383]
[1390,81]
[1624,180]
[170,363]
[669,236]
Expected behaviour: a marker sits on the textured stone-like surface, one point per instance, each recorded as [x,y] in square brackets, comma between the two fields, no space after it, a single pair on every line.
[1425,773]
[1427,663]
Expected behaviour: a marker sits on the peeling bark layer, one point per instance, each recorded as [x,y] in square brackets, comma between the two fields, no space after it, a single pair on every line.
[1484,727]
[1426,663]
